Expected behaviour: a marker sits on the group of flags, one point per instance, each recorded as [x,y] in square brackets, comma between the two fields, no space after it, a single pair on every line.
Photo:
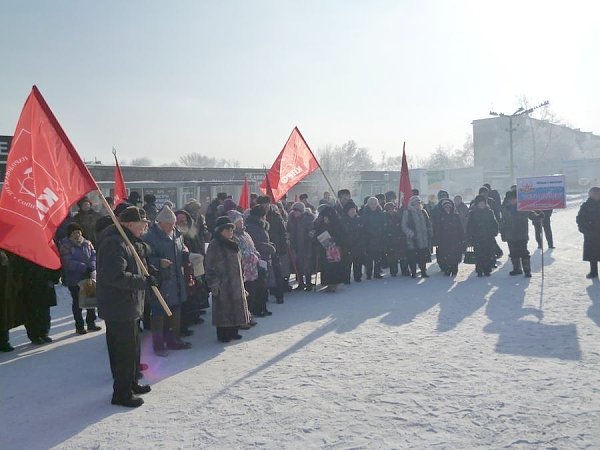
[45,177]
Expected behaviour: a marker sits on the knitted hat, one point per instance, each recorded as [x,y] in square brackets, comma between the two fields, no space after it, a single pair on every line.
[446,201]
[257,211]
[166,215]
[299,206]
[479,199]
[73,226]
[414,200]
[594,190]
[235,216]
[133,214]
[223,223]
[349,205]
[442,194]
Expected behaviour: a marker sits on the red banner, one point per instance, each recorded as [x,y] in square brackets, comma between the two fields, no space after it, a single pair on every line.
[294,163]
[405,187]
[44,178]
[244,202]
[120,194]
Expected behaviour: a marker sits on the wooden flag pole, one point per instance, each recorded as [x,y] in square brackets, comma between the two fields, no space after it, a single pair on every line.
[137,258]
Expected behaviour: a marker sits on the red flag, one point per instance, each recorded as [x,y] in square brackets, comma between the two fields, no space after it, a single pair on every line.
[405,187]
[293,164]
[268,189]
[44,178]
[120,193]
[244,202]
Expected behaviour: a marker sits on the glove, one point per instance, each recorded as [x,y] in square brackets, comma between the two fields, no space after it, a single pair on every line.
[152,270]
[151,281]
[88,273]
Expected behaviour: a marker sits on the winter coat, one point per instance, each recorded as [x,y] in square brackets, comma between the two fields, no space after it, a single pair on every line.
[482,226]
[451,239]
[250,255]
[172,284]
[436,213]
[331,272]
[394,237]
[514,225]
[299,231]
[225,279]
[356,236]
[258,229]
[374,223]
[120,285]
[77,260]
[11,291]
[212,215]
[277,231]
[38,284]
[463,213]
[87,221]
[417,228]
[588,222]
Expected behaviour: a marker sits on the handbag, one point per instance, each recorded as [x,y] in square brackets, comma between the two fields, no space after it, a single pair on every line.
[470,256]
[87,294]
[333,254]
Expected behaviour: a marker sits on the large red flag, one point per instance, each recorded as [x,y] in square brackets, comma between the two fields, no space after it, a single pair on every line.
[44,178]
[405,187]
[244,202]
[120,194]
[269,189]
[293,164]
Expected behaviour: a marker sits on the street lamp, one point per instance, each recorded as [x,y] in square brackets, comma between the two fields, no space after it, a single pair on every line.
[519,112]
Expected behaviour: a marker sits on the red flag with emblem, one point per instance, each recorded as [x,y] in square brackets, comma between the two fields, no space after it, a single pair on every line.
[405,186]
[120,191]
[44,177]
[294,163]
[244,202]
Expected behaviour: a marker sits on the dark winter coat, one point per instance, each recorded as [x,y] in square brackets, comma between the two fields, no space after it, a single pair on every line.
[87,221]
[356,236]
[463,213]
[212,215]
[120,286]
[482,226]
[436,214]
[77,260]
[451,239]
[374,223]
[38,283]
[258,229]
[394,238]
[588,222]
[172,284]
[514,225]
[151,211]
[11,291]
[225,279]
[299,231]
[277,231]
[328,220]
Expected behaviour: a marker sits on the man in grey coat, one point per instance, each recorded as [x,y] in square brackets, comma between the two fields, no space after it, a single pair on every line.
[120,292]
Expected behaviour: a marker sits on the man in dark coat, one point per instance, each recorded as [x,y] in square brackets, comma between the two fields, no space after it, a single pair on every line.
[514,229]
[588,222]
[344,196]
[451,237]
[150,207]
[394,238]
[120,292]
[435,214]
[356,237]
[38,296]
[299,228]
[87,218]
[374,222]
[482,229]
[211,210]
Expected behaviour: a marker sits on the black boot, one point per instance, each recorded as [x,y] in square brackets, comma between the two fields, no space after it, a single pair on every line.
[223,334]
[516,262]
[158,336]
[527,267]
[593,270]
[130,401]
[423,268]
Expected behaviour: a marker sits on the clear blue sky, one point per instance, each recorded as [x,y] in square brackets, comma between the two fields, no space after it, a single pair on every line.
[232,78]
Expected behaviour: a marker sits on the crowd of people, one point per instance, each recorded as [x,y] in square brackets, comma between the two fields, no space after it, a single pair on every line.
[239,258]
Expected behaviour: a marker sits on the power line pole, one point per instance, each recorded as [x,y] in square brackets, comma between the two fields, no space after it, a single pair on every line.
[519,112]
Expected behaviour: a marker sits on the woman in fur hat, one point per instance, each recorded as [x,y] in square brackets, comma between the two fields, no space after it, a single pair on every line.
[331,244]
[417,227]
[482,229]
[588,222]
[226,282]
[451,238]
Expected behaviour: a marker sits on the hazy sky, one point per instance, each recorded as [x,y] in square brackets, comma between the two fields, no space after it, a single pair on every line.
[231,79]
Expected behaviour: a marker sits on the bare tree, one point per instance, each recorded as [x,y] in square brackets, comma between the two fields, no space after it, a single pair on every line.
[195,159]
[143,161]
[342,163]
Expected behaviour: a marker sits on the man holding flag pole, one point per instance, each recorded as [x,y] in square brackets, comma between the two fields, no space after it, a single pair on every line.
[45,177]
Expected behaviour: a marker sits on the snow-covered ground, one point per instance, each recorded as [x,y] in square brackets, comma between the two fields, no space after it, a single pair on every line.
[393,363]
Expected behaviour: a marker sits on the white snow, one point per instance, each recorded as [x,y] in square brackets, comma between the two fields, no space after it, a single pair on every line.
[393,363]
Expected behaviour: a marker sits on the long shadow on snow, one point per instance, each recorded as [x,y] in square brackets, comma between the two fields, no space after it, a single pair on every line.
[593,291]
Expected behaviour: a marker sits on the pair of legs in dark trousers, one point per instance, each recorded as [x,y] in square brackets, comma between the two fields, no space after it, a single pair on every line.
[593,270]
[485,253]
[122,340]
[373,264]
[545,224]
[417,257]
[279,288]
[90,316]
[353,266]
[166,331]
[519,255]
[391,259]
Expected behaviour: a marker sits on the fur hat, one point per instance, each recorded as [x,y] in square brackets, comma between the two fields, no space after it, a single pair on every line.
[228,205]
[73,226]
[223,223]
[372,201]
[442,194]
[594,190]
[299,206]
[187,215]
[257,211]
[166,215]
[478,199]
[121,207]
[389,206]
[84,200]
[235,216]
[149,198]
[133,214]
[349,205]
[414,200]
[446,201]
